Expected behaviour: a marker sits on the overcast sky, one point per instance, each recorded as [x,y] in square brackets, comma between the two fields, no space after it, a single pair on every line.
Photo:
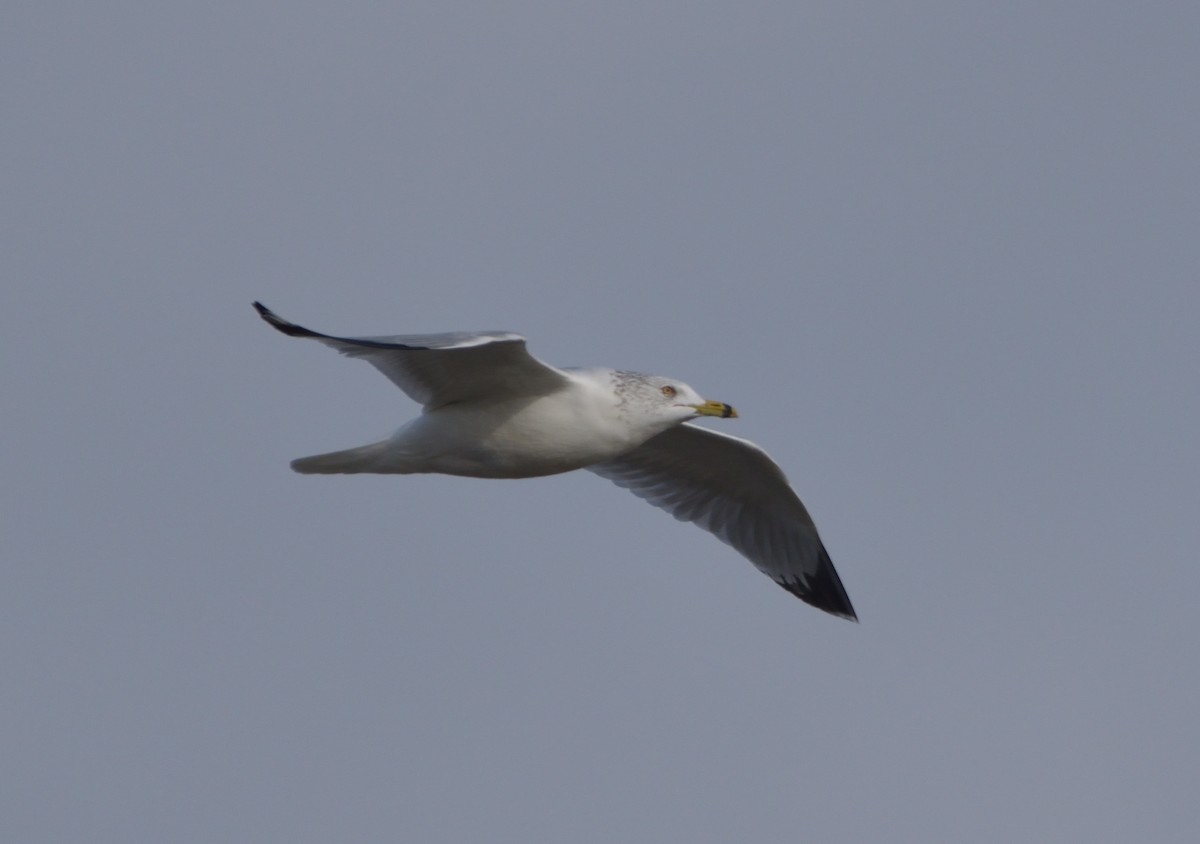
[942,257]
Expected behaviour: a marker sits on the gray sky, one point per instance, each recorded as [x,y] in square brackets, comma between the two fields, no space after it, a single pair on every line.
[941,256]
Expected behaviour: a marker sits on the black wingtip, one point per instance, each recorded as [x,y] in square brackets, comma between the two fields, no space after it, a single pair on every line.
[824,590]
[280,324]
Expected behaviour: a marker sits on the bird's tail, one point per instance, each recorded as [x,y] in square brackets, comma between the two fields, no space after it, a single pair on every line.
[365,458]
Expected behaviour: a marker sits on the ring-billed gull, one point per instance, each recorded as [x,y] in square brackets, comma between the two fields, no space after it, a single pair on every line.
[492,410]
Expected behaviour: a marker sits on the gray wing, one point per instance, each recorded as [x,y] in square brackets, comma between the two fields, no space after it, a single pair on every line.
[731,488]
[441,369]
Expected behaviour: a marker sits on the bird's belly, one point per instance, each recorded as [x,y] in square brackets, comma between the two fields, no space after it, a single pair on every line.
[516,442]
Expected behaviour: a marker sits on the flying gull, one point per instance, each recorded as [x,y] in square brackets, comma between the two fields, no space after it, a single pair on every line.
[492,410]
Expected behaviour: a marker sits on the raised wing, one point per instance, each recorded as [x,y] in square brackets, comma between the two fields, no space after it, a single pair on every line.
[730,487]
[441,369]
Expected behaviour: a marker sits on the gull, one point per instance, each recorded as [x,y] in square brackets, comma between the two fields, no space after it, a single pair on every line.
[492,410]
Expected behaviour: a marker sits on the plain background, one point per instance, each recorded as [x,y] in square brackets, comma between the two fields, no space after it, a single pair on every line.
[942,257]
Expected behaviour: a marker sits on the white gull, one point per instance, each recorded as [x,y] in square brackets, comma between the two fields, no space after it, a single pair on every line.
[492,410]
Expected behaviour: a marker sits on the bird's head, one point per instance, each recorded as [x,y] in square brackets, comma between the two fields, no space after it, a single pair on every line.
[668,401]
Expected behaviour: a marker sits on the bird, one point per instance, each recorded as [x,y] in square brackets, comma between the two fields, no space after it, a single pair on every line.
[492,410]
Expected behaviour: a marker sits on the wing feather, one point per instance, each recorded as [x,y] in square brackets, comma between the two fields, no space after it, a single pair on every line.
[440,369]
[731,488]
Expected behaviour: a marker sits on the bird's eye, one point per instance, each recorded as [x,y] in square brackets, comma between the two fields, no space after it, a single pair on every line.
[669,392]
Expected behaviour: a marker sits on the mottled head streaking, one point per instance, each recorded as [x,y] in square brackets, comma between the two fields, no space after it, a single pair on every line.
[667,400]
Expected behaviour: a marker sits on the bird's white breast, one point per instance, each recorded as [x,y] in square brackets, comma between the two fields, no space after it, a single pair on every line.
[519,438]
